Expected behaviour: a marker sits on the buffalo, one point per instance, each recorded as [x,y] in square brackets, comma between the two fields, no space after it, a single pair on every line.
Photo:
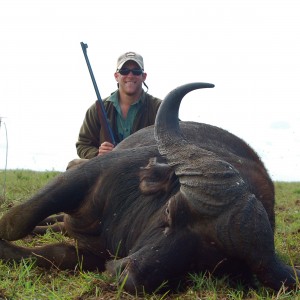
[171,199]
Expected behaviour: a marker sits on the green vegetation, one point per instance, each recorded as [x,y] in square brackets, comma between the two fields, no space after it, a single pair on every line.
[25,281]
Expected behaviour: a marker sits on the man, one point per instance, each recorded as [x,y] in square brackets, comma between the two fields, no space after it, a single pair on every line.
[128,109]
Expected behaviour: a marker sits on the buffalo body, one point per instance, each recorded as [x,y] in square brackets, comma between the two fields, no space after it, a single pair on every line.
[174,198]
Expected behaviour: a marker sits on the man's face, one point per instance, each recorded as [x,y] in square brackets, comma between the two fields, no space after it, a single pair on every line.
[130,84]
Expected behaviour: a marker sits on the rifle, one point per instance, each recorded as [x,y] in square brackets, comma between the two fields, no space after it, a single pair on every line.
[108,134]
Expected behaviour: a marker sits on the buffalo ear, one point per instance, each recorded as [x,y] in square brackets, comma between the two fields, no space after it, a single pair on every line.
[156,177]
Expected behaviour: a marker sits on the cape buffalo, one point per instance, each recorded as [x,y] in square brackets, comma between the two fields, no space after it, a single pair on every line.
[171,199]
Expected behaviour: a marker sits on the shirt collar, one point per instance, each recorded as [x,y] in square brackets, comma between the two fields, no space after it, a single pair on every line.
[114,98]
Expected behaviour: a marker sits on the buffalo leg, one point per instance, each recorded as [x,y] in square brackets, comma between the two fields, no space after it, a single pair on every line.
[61,256]
[57,227]
[55,223]
[65,193]
[52,220]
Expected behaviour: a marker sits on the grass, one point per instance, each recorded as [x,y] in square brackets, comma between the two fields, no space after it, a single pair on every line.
[25,281]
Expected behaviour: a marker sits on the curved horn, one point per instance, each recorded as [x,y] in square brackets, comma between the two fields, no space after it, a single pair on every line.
[167,116]
[167,122]
[202,174]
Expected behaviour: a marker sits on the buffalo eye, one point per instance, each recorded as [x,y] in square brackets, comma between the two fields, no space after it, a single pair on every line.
[167,210]
[168,214]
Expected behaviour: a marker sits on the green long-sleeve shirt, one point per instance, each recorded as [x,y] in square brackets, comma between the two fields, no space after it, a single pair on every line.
[91,135]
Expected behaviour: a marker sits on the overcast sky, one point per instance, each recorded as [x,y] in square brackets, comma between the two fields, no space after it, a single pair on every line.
[248,48]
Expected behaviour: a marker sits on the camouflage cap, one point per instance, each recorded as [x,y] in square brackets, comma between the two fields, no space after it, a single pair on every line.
[130,56]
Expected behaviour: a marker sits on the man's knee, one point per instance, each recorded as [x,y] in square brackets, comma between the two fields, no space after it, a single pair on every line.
[75,162]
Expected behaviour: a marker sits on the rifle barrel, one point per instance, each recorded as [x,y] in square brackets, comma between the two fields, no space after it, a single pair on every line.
[103,119]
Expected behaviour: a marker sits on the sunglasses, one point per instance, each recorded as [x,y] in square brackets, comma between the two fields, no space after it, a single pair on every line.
[126,71]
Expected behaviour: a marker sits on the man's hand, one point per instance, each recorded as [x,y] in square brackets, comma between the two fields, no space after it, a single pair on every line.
[105,147]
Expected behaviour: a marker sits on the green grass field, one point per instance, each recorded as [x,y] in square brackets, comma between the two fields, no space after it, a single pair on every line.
[25,281]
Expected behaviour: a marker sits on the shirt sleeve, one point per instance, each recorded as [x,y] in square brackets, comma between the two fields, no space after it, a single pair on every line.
[88,142]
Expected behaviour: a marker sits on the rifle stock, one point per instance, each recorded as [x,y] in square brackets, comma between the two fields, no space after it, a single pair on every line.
[108,133]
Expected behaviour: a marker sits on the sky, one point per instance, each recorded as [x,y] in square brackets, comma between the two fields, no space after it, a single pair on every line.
[249,49]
